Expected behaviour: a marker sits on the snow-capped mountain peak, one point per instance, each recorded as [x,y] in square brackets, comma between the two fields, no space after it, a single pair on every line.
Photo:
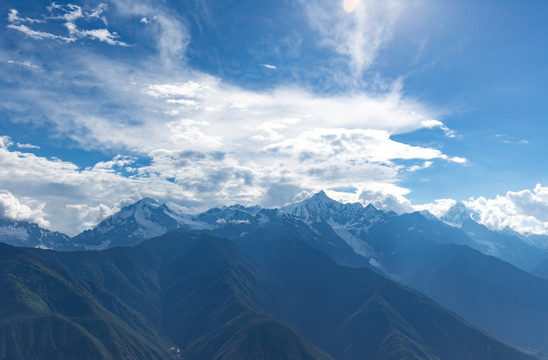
[27,234]
[145,219]
[458,214]
[321,208]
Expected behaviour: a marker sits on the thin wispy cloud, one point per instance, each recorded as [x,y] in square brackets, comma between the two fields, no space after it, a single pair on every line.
[511,140]
[66,15]
[355,29]
[39,35]
[25,64]
[13,17]
[27,146]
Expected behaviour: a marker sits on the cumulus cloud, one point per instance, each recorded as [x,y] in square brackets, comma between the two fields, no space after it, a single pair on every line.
[12,208]
[207,143]
[438,208]
[198,141]
[90,216]
[5,142]
[524,211]
[386,197]
[54,184]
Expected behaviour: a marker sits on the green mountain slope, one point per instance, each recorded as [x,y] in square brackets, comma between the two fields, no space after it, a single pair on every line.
[46,312]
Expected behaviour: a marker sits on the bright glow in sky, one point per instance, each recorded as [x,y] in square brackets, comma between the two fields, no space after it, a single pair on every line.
[350,5]
[402,104]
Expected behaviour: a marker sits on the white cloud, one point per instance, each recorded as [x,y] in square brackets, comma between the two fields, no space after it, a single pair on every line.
[356,29]
[268,66]
[27,146]
[102,35]
[26,64]
[38,35]
[68,14]
[523,211]
[172,37]
[438,208]
[90,216]
[510,140]
[118,161]
[13,17]
[431,123]
[208,143]
[205,142]
[386,197]
[12,208]
[54,184]
[424,165]
[5,142]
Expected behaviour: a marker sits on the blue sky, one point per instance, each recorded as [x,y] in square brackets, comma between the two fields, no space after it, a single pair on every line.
[403,104]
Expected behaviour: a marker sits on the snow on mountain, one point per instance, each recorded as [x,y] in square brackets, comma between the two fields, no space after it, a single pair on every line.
[321,208]
[457,214]
[235,214]
[349,221]
[26,234]
[133,224]
[518,249]
[328,225]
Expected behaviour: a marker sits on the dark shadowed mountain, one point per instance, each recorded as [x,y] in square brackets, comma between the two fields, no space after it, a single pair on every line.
[280,299]
[541,269]
[46,312]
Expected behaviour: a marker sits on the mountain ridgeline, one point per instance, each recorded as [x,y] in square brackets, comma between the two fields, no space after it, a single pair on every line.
[315,279]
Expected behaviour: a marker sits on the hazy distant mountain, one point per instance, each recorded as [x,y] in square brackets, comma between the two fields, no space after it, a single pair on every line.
[211,300]
[541,269]
[276,223]
[26,234]
[508,246]
[348,221]
[508,302]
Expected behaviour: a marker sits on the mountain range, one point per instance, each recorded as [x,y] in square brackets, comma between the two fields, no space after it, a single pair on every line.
[477,273]
[194,296]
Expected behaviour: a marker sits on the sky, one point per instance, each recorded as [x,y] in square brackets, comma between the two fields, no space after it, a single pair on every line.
[403,104]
